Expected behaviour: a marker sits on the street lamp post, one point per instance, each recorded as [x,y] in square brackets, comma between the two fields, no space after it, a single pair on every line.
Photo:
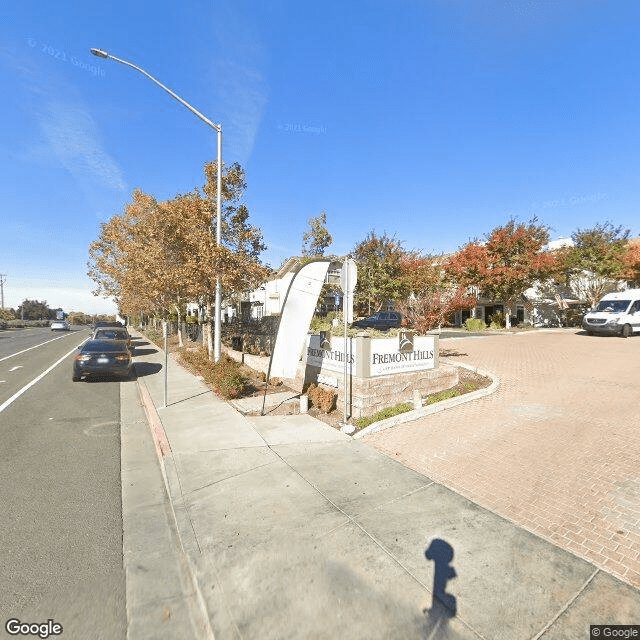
[218,128]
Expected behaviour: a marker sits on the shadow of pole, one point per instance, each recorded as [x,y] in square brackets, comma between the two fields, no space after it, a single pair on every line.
[443,604]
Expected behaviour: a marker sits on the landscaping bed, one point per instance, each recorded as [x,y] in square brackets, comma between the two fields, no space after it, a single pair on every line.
[233,380]
[468,382]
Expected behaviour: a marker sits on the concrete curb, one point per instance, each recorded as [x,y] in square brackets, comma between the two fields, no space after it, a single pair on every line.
[163,450]
[410,416]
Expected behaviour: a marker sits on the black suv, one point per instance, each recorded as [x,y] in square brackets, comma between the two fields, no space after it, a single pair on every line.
[382,320]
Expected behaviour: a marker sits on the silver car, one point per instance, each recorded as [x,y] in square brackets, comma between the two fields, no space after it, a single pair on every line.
[60,325]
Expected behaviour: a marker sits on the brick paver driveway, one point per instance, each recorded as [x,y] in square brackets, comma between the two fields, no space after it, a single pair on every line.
[556,449]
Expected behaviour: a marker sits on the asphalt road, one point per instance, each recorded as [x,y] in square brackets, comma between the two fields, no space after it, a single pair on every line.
[61,526]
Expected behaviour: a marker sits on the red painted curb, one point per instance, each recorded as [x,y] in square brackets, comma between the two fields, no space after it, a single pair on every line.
[160,439]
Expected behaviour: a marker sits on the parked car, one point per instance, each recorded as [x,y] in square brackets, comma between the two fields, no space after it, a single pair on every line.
[60,325]
[105,323]
[381,320]
[112,333]
[102,357]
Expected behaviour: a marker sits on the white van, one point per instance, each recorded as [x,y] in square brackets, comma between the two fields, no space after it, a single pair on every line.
[616,314]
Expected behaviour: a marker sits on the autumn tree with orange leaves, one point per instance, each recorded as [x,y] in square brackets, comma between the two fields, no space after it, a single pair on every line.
[433,296]
[631,262]
[157,256]
[507,263]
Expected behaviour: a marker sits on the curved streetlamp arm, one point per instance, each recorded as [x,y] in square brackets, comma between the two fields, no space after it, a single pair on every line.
[103,54]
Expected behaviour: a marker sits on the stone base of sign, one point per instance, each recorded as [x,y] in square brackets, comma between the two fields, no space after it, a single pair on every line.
[367,396]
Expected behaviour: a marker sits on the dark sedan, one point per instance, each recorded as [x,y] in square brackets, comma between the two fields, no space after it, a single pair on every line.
[102,357]
[382,320]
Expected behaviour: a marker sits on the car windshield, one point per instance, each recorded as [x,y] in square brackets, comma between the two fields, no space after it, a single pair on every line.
[613,306]
[110,334]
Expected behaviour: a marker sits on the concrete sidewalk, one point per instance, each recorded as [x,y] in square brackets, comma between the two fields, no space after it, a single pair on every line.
[282,527]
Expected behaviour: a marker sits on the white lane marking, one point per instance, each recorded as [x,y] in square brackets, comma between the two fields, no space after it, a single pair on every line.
[17,353]
[14,368]
[17,394]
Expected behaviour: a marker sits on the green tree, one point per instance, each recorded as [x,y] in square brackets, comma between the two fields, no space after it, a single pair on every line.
[596,260]
[33,310]
[380,272]
[316,240]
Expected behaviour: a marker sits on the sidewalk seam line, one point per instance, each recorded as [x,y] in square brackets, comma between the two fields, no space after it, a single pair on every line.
[566,606]
[235,475]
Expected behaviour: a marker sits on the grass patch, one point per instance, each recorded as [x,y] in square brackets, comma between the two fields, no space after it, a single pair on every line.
[443,395]
[383,414]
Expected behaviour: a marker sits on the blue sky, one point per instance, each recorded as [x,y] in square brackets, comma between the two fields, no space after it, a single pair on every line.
[432,120]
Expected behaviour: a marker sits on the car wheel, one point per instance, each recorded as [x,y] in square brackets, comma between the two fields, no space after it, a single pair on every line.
[75,378]
[626,331]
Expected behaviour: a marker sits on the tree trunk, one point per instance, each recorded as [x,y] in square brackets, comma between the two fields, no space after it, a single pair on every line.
[180,343]
[209,333]
[507,317]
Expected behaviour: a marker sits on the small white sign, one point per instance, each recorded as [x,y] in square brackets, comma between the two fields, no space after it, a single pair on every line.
[348,280]
[348,275]
[330,381]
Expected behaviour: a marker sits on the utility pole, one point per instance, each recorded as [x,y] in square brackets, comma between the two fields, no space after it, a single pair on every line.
[3,279]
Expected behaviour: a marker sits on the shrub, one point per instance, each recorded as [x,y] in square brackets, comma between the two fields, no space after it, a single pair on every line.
[319,324]
[227,378]
[155,336]
[224,376]
[498,320]
[322,398]
[383,414]
[474,324]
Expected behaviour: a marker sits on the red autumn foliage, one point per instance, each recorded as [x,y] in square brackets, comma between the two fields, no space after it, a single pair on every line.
[510,261]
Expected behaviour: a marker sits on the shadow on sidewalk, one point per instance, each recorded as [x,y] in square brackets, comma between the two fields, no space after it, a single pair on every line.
[146,368]
[143,352]
[443,605]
